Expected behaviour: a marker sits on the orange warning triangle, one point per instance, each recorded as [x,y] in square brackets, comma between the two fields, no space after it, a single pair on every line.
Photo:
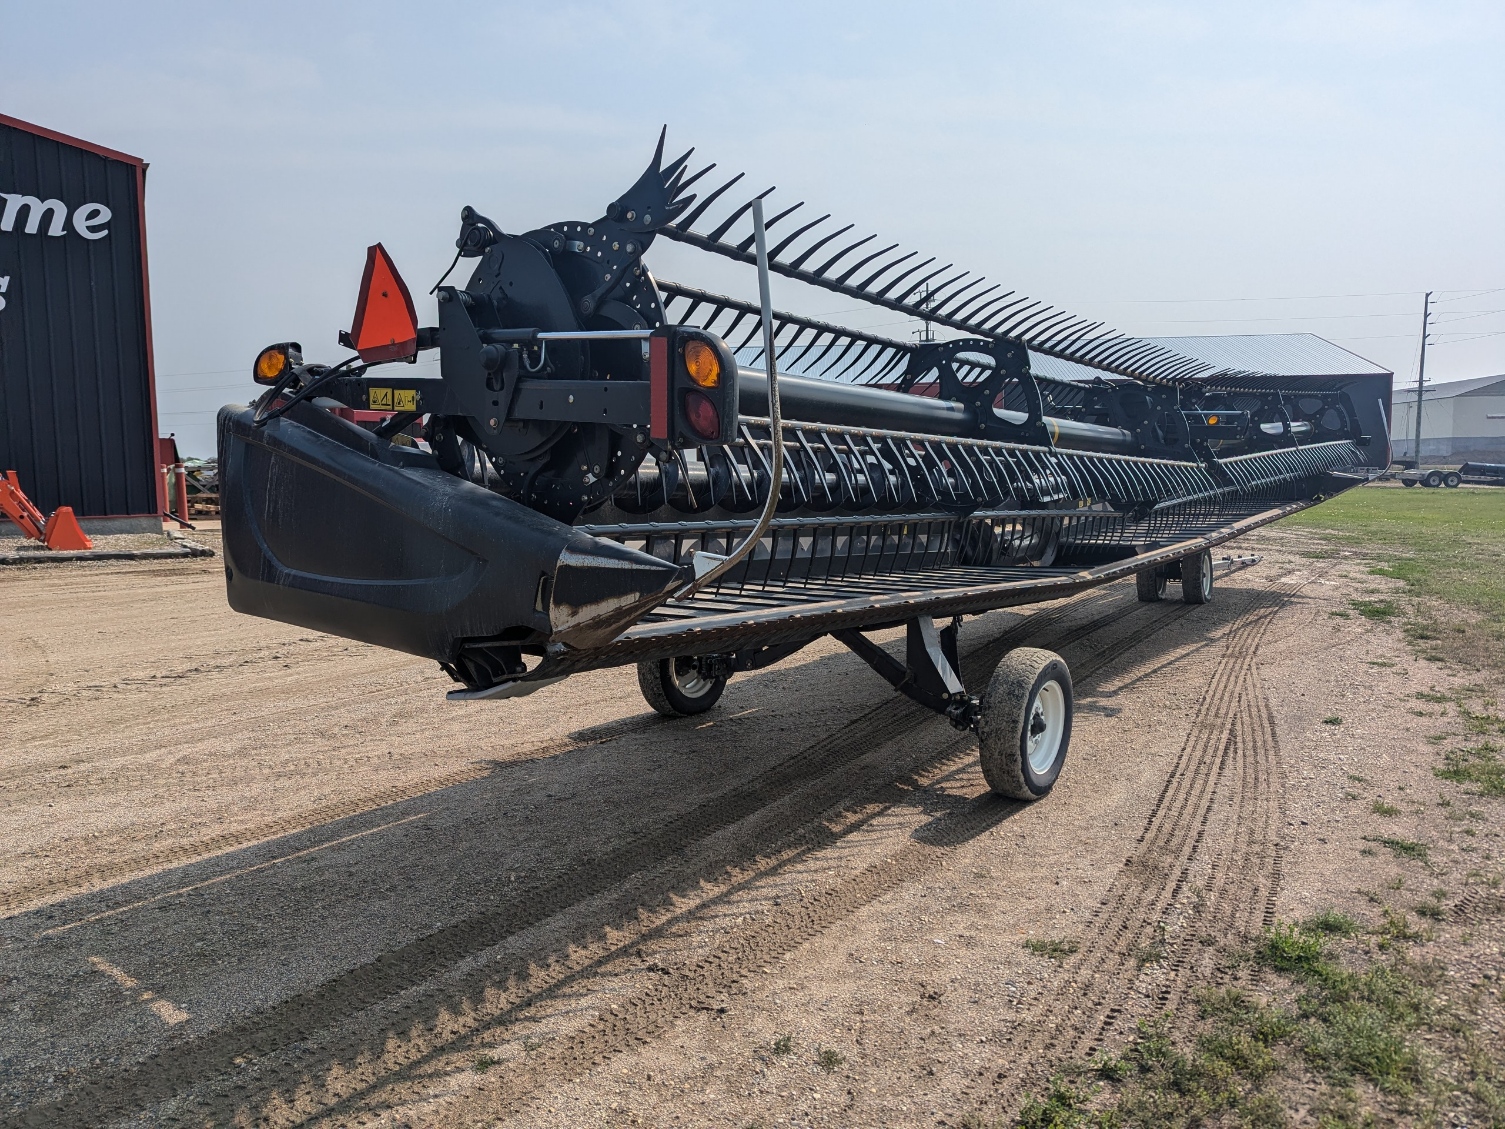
[386,325]
[64,532]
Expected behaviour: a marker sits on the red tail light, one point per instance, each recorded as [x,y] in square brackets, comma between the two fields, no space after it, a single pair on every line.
[702,415]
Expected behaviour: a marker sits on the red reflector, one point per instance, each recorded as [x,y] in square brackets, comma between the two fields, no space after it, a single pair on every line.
[702,415]
[386,325]
[658,388]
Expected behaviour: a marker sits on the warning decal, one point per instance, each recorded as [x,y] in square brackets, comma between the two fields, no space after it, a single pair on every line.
[381,399]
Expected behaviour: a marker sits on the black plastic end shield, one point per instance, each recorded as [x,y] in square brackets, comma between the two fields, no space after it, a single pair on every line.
[327,527]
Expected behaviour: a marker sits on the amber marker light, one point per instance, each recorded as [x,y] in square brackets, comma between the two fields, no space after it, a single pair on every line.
[270,364]
[1212,421]
[702,364]
[273,361]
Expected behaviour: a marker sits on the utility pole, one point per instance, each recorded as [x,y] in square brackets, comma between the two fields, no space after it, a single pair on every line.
[925,334]
[1421,372]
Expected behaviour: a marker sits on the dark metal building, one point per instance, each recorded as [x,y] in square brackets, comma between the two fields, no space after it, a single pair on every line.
[78,410]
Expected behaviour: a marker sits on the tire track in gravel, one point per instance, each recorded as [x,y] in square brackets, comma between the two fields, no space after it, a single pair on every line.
[177,1067]
[705,982]
[713,977]
[1229,755]
[30,896]
[708,980]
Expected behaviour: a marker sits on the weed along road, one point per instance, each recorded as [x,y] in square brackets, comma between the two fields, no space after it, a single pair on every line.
[259,875]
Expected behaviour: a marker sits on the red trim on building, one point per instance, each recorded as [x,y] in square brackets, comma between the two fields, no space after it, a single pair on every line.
[54,135]
[151,355]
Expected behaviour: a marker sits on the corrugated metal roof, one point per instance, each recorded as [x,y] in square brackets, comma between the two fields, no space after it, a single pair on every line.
[1473,386]
[1280,354]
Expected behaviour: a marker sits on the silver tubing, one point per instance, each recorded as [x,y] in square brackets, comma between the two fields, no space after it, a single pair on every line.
[775,427]
[594,335]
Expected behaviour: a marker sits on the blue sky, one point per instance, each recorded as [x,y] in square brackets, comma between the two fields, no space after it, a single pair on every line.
[1170,168]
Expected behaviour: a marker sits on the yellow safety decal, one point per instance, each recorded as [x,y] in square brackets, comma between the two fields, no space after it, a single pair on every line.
[381,399]
[404,400]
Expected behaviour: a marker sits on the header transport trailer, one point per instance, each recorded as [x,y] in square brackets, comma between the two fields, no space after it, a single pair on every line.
[613,468]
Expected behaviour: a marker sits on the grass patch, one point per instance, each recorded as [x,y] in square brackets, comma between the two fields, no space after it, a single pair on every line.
[1479,765]
[1323,1007]
[1333,923]
[1435,543]
[829,1061]
[1374,609]
[1056,949]
[783,1045]
[483,1063]
[1380,807]
[1400,848]
[1334,720]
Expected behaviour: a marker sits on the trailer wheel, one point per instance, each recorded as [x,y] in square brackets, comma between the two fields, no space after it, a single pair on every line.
[1408,482]
[676,687]
[1024,726]
[1196,578]
[1451,479]
[1433,479]
[1150,585]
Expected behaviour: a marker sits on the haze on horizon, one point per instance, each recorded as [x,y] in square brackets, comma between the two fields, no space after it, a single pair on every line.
[1169,168]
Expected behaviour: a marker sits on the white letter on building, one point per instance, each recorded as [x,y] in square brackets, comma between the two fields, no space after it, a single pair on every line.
[14,202]
[88,216]
[4,286]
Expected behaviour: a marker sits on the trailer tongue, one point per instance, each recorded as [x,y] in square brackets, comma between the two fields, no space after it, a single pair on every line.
[615,469]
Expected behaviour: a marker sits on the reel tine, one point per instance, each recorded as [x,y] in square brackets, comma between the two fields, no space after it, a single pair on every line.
[817,245]
[751,239]
[955,299]
[676,167]
[715,236]
[1005,325]
[990,305]
[891,283]
[711,199]
[777,251]
[692,179]
[974,303]
[834,259]
[885,269]
[935,291]
[864,262]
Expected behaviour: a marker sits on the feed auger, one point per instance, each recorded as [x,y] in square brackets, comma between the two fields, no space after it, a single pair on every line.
[612,468]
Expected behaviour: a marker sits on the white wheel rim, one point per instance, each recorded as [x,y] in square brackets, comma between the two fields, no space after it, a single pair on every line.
[1045,727]
[1206,577]
[689,682]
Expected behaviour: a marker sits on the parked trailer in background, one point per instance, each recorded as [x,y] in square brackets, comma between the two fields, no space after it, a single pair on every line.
[617,469]
[1472,474]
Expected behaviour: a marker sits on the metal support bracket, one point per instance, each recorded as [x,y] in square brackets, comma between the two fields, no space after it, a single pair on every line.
[929,675]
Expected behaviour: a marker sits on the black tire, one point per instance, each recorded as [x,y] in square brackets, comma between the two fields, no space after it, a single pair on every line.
[1196,578]
[1030,689]
[1433,479]
[675,688]
[1408,482]
[1150,585]
[1452,479]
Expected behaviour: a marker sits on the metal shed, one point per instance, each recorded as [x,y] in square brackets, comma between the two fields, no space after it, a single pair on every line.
[78,411]
[1461,421]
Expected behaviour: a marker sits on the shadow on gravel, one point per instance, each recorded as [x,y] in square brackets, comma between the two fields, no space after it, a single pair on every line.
[275,950]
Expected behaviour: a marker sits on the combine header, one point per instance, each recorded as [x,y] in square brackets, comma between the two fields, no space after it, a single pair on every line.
[613,468]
